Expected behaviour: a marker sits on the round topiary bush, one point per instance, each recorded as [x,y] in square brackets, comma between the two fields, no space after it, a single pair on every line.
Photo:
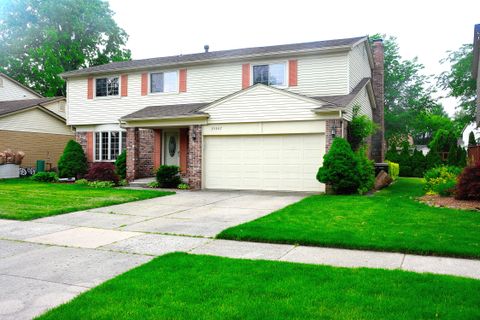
[73,162]
[339,169]
[168,176]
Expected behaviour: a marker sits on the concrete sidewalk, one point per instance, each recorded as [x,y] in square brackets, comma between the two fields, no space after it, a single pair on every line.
[46,262]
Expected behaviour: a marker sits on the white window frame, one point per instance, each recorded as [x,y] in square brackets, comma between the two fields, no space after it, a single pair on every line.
[261,63]
[177,86]
[107,96]
[120,146]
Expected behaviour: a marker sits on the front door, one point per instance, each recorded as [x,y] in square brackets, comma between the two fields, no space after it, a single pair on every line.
[172,148]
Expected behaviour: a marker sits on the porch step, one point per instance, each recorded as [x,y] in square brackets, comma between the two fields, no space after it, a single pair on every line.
[141,183]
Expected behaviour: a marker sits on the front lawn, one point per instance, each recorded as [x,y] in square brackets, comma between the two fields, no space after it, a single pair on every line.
[390,220]
[24,199]
[182,286]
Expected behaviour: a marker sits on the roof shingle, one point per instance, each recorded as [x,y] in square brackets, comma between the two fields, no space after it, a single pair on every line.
[211,56]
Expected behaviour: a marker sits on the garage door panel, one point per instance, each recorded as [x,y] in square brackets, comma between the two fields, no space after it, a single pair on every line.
[269,162]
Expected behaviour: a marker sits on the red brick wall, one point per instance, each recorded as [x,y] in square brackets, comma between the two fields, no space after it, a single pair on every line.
[132,153]
[378,139]
[329,124]
[146,153]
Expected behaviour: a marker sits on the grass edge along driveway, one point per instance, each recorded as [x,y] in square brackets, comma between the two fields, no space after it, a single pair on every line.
[390,220]
[183,286]
[24,199]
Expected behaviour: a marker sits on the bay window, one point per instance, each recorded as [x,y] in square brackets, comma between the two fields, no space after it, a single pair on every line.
[270,74]
[163,82]
[109,144]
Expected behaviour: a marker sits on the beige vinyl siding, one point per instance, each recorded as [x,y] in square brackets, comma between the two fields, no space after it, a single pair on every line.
[363,100]
[12,91]
[34,120]
[262,104]
[359,66]
[321,74]
[57,107]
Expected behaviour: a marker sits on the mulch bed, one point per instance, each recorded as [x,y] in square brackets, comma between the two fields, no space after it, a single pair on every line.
[450,202]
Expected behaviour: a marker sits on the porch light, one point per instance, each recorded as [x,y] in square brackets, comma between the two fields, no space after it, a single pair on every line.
[334,130]
[194,135]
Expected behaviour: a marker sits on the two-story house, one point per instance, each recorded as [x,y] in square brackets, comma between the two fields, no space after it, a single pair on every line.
[32,123]
[257,118]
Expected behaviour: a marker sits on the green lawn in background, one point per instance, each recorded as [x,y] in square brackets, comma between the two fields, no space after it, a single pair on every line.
[389,220]
[182,286]
[24,199]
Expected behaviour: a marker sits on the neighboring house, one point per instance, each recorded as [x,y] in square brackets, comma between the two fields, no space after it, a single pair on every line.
[31,123]
[256,118]
[476,66]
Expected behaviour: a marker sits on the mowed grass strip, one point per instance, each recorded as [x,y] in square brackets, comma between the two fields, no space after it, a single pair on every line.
[182,286]
[389,220]
[24,199]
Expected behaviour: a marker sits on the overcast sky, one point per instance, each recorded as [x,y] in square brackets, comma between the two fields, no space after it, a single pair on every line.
[426,29]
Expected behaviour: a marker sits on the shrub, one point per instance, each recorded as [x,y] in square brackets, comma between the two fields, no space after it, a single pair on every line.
[121,165]
[168,176]
[101,184]
[73,162]
[471,139]
[183,186]
[365,171]
[432,159]
[418,164]
[393,169]
[45,177]
[82,182]
[445,189]
[359,128]
[468,187]
[153,184]
[339,169]
[102,171]
[440,175]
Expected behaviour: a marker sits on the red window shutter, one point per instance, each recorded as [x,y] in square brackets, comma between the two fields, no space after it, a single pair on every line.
[144,84]
[90,88]
[245,75]
[124,85]
[89,146]
[292,73]
[183,80]
[183,149]
[157,148]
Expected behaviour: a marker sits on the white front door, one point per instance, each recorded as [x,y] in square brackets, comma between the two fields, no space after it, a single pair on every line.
[171,148]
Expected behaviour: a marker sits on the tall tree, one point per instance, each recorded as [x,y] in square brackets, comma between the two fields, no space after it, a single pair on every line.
[459,82]
[410,109]
[39,39]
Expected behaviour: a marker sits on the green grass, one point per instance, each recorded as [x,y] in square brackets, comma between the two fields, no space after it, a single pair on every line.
[390,220]
[24,199]
[182,286]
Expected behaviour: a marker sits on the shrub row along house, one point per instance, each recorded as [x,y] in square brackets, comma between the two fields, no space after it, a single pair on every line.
[255,118]
[32,123]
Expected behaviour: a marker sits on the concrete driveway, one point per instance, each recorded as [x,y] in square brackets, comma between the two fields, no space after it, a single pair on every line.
[48,261]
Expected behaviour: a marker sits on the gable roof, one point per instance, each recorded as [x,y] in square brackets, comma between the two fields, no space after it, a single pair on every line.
[21,85]
[347,43]
[12,106]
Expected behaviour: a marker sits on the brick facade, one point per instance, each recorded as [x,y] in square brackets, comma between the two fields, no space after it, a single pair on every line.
[81,138]
[329,125]
[132,153]
[146,153]
[378,139]
[194,157]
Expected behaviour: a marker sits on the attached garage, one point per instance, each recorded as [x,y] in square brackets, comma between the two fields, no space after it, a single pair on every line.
[286,162]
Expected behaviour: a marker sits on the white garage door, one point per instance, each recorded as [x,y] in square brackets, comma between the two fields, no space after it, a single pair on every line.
[264,162]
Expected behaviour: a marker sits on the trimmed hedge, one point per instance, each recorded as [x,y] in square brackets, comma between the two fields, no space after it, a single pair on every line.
[393,169]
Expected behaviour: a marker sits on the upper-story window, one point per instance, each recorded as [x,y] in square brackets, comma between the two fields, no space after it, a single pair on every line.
[163,82]
[270,74]
[105,87]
